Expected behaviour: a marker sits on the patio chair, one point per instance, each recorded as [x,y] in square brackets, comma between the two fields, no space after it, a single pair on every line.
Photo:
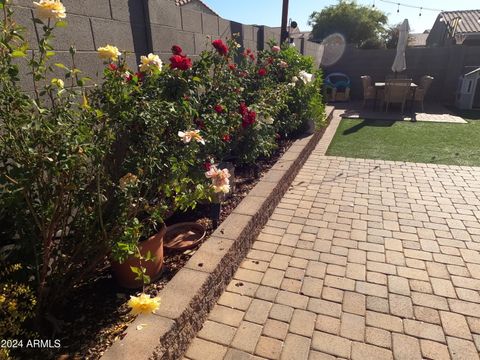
[421,91]
[368,89]
[396,92]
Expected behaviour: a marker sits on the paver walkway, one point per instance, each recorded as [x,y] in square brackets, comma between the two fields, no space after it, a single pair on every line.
[362,259]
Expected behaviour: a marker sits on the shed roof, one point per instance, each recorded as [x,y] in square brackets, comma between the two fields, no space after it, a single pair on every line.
[476,71]
[470,20]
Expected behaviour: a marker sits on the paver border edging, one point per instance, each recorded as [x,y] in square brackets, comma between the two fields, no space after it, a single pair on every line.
[191,294]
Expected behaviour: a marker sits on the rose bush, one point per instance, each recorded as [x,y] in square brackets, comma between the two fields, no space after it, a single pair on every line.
[85,174]
[153,169]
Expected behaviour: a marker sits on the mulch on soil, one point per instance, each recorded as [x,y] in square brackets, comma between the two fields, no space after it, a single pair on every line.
[97,314]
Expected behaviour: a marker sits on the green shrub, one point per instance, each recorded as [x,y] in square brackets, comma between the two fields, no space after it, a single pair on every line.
[87,173]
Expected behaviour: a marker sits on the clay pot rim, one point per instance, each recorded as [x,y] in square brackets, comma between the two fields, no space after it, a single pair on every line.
[191,244]
[161,232]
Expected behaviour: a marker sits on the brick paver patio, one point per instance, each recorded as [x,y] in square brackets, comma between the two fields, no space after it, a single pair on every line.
[362,259]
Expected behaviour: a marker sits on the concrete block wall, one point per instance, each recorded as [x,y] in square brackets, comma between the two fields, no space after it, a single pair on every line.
[445,64]
[138,27]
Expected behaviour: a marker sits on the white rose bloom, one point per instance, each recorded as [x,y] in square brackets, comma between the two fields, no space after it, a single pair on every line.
[201,90]
[306,77]
[268,120]
[222,188]
[150,62]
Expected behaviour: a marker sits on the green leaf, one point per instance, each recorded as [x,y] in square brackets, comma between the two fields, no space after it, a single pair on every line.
[50,54]
[18,54]
[13,71]
[61,24]
[61,66]
[196,79]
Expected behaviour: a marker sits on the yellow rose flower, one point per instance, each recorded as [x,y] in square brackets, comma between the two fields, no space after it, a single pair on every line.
[143,304]
[109,52]
[58,83]
[12,306]
[50,9]
[150,62]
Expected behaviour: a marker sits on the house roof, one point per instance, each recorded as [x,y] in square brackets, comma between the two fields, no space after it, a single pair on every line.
[470,20]
[417,39]
[185,2]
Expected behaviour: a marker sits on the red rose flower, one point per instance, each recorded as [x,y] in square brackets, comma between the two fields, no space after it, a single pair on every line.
[176,50]
[252,116]
[249,51]
[218,108]
[187,63]
[175,61]
[243,109]
[127,77]
[113,67]
[249,118]
[227,138]
[252,56]
[232,66]
[181,62]
[220,47]
[270,60]
[207,165]
[262,72]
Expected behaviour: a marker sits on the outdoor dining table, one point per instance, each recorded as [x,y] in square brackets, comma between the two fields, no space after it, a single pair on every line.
[381,85]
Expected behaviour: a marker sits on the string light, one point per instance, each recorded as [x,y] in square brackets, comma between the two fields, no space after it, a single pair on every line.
[421,8]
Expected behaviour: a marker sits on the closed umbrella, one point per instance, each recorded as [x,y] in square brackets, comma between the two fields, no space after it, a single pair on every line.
[399,64]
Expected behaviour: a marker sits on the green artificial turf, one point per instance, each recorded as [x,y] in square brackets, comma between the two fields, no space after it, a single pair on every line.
[423,142]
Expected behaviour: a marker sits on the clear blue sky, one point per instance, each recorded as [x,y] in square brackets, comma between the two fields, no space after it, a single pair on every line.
[268,12]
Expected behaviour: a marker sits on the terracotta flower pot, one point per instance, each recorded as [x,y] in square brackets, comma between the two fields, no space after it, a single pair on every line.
[123,272]
[183,236]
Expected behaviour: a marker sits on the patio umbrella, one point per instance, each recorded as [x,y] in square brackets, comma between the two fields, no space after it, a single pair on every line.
[399,63]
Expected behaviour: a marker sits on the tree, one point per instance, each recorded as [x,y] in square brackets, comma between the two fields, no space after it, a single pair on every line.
[391,36]
[358,23]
